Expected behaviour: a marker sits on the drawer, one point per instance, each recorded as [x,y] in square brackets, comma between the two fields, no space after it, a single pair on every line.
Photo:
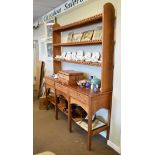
[49,82]
[78,96]
[61,88]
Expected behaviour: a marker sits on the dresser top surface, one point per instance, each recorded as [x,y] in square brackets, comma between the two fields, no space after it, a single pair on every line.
[84,91]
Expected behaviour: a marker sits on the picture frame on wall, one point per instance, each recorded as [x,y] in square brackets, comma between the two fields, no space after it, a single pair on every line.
[42,48]
[49,50]
[97,33]
[49,27]
[49,31]
[87,36]
[70,37]
[77,37]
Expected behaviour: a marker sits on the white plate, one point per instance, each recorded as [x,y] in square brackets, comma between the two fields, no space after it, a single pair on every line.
[88,56]
[95,56]
[64,55]
[80,55]
[74,55]
[68,56]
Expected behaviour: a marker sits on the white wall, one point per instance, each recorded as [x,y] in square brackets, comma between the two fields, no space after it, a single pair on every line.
[115,133]
[35,58]
[38,34]
[88,9]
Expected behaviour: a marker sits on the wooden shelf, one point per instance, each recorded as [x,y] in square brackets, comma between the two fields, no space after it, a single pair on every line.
[76,119]
[61,107]
[100,129]
[84,22]
[103,98]
[79,62]
[95,42]
[96,130]
[49,98]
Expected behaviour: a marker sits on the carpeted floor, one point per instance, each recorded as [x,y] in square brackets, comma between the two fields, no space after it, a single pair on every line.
[53,135]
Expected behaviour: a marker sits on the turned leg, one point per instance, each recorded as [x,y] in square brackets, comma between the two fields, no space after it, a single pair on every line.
[69,117]
[108,130]
[89,128]
[56,108]
[107,136]
[47,102]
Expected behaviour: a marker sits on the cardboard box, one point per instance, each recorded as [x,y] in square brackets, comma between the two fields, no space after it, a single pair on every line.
[43,103]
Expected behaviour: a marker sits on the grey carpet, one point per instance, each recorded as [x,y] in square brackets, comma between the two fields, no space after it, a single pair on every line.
[53,135]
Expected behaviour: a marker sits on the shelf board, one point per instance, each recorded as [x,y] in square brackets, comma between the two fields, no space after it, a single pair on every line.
[61,107]
[49,98]
[84,22]
[76,119]
[95,130]
[79,62]
[100,129]
[95,42]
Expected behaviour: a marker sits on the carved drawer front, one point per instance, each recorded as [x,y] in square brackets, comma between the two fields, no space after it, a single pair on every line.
[49,82]
[78,96]
[61,88]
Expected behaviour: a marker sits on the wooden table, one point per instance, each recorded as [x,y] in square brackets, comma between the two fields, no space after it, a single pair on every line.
[91,102]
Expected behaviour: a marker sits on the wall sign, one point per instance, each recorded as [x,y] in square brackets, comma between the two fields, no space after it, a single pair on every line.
[62,8]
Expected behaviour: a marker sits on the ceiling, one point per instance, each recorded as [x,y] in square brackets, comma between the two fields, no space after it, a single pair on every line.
[41,7]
